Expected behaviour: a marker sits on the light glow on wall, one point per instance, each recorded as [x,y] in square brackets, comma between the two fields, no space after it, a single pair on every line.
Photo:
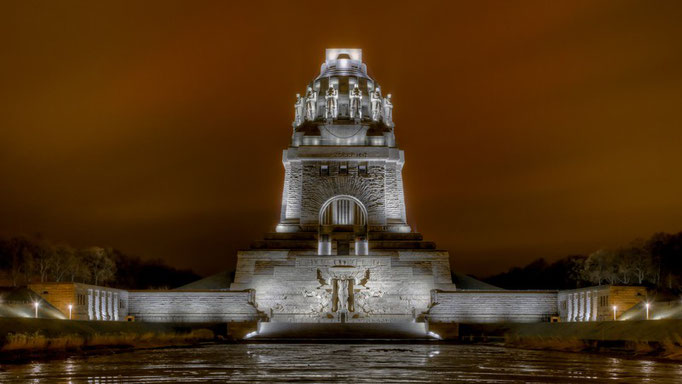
[435,335]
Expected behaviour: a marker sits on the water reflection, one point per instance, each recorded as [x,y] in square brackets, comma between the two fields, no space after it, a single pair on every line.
[363,363]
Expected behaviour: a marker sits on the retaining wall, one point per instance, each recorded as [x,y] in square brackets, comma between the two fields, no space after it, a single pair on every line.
[492,306]
[192,306]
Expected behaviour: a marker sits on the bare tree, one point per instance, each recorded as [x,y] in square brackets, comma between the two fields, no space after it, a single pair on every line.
[623,261]
[595,267]
[43,257]
[642,262]
[61,262]
[101,265]
[26,264]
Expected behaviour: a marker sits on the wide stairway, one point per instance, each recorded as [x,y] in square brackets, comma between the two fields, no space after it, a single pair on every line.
[342,331]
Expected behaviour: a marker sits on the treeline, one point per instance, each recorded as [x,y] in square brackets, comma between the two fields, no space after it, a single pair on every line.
[655,262]
[26,259]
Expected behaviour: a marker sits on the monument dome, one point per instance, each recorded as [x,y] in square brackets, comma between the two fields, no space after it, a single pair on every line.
[343,105]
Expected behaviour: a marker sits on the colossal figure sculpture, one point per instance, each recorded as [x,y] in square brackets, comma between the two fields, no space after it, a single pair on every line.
[310,104]
[298,110]
[388,110]
[342,295]
[356,103]
[332,97]
[375,99]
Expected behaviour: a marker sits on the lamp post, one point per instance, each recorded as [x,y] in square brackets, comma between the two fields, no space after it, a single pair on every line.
[614,313]
[647,310]
[70,308]
[35,305]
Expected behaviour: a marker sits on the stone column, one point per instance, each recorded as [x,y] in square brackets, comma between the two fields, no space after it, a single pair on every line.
[103,302]
[98,306]
[110,303]
[361,246]
[588,306]
[595,305]
[116,305]
[324,246]
[91,305]
[569,307]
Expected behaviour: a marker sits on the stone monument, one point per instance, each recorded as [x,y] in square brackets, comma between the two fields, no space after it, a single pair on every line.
[343,250]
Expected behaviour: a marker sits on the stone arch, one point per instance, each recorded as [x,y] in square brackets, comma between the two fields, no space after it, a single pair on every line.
[348,216]
[339,217]
[368,191]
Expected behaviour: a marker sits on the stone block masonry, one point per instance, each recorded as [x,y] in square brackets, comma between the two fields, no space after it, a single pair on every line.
[192,306]
[492,306]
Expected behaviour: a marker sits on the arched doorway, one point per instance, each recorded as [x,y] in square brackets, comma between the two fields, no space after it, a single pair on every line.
[342,221]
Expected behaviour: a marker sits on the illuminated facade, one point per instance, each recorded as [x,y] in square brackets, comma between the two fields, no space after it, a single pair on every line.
[343,250]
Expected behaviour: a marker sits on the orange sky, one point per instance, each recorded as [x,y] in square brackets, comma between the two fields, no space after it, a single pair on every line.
[530,128]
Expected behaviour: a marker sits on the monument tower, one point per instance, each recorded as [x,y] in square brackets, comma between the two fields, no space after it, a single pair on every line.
[343,251]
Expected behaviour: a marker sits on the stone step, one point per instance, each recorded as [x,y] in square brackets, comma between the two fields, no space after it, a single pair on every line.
[402,245]
[415,236]
[342,331]
[303,244]
[291,236]
[284,244]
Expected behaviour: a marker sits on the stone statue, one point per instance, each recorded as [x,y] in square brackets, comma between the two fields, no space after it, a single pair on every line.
[388,110]
[298,110]
[310,104]
[356,103]
[332,98]
[375,99]
[342,295]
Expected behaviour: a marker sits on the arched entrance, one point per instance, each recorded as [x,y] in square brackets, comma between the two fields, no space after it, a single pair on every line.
[342,221]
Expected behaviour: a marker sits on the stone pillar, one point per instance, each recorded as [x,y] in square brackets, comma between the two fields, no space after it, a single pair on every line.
[576,298]
[569,307]
[324,246]
[91,305]
[110,304]
[595,305]
[588,306]
[97,306]
[116,305]
[361,246]
[103,302]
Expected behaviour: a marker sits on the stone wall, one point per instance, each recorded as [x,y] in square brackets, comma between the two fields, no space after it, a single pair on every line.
[192,306]
[492,306]
[292,191]
[305,190]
